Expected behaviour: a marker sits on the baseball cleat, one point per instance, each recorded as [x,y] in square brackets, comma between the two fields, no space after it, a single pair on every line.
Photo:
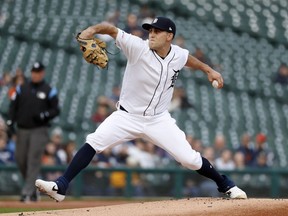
[50,188]
[236,193]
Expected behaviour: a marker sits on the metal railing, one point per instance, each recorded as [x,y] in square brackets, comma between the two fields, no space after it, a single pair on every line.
[276,178]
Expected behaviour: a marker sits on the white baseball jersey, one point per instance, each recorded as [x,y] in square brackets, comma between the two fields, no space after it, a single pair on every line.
[146,92]
[148,81]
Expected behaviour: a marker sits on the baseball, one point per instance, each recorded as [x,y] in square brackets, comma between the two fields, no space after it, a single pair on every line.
[215,84]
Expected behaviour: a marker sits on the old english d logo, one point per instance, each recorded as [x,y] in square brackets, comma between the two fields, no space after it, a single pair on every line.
[174,78]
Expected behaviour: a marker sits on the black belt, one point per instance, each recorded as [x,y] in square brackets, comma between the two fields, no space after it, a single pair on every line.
[123,109]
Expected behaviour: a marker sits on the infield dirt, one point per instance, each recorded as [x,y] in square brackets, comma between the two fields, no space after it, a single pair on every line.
[181,207]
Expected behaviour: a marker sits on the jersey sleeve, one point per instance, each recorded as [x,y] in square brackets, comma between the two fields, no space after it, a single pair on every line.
[131,45]
[183,53]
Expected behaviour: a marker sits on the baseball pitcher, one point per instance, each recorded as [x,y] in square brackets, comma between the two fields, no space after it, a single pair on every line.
[152,68]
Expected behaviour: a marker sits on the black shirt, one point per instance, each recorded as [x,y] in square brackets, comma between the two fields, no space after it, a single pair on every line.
[34,105]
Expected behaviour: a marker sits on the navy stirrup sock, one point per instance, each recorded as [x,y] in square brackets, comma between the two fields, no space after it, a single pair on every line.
[81,160]
[209,171]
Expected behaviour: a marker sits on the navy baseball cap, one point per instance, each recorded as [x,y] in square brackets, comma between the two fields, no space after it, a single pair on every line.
[37,67]
[162,23]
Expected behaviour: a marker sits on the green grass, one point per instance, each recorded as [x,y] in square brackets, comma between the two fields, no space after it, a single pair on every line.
[13,210]
[30,208]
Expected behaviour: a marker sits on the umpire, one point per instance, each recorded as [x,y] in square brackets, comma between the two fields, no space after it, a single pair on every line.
[32,107]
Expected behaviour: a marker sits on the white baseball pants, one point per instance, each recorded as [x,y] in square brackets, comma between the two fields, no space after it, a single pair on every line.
[161,130]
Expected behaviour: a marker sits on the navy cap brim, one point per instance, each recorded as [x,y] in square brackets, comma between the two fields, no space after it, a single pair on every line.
[148,26]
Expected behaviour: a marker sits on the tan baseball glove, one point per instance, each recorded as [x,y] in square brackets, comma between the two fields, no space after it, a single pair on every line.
[94,51]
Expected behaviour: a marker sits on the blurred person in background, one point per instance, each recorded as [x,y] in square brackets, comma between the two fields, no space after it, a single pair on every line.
[245,149]
[132,25]
[262,153]
[6,79]
[56,137]
[282,74]
[6,155]
[50,158]
[219,144]
[31,109]
[9,179]
[70,150]
[101,113]
[225,161]
[239,160]
[261,160]
[17,80]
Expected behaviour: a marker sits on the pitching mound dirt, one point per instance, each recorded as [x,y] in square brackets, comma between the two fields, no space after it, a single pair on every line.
[183,207]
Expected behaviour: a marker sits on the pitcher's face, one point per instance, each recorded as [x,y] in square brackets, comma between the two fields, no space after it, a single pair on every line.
[159,39]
